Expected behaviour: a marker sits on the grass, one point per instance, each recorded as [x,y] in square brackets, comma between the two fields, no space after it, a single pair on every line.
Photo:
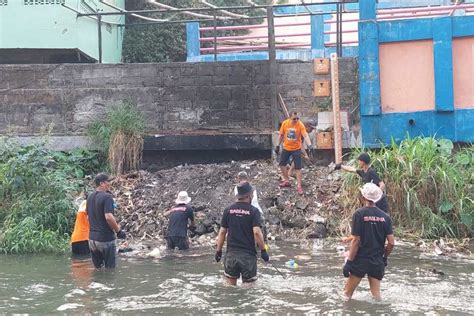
[37,189]
[119,135]
[430,187]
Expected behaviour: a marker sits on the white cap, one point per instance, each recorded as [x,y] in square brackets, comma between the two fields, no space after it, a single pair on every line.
[183,198]
[371,192]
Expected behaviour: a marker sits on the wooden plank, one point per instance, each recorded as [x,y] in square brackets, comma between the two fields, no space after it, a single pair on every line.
[273,65]
[337,134]
[283,106]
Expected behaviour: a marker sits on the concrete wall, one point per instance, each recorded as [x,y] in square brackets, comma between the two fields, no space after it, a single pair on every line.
[175,98]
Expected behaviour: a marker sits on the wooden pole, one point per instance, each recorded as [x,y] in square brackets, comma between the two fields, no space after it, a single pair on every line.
[336,108]
[283,106]
[272,64]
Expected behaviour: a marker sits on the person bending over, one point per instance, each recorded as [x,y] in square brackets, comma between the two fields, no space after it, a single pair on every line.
[368,174]
[177,236]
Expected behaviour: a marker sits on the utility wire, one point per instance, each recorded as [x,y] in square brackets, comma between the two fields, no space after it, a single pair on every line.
[250,2]
[165,6]
[133,14]
[235,15]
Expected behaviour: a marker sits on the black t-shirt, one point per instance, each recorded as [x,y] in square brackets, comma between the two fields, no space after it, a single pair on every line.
[178,225]
[369,176]
[372,176]
[98,204]
[373,226]
[239,219]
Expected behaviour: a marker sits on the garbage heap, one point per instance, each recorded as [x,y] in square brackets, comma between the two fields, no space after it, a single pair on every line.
[144,197]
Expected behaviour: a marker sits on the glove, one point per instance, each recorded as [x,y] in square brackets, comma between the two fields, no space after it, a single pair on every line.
[347,268]
[218,255]
[338,166]
[121,234]
[385,261]
[277,149]
[264,255]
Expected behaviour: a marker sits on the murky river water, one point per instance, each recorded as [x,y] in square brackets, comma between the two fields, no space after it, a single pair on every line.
[192,284]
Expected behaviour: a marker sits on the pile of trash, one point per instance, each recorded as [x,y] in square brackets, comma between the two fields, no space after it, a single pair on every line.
[144,197]
[446,246]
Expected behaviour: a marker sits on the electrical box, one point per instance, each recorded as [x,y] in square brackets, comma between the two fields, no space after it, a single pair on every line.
[324,140]
[322,88]
[321,66]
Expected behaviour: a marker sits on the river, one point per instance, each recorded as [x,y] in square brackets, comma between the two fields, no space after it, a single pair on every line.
[191,283]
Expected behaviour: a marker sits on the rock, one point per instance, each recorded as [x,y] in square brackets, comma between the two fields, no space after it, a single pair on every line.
[320,231]
[272,220]
[201,229]
[302,204]
[155,253]
[297,221]
[317,219]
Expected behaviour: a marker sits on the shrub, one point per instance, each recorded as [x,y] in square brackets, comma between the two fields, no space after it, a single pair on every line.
[120,135]
[429,187]
[37,188]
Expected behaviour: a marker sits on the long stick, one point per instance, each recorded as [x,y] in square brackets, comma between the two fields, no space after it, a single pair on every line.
[283,106]
[282,275]
[336,108]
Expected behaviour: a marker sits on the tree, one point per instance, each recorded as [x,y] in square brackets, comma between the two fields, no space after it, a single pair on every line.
[167,42]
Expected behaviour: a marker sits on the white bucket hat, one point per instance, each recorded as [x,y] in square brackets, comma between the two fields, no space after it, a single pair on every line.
[371,192]
[183,198]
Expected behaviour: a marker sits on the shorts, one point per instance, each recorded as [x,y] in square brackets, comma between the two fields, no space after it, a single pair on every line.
[237,263]
[296,155]
[383,204]
[80,248]
[373,267]
[181,243]
[103,254]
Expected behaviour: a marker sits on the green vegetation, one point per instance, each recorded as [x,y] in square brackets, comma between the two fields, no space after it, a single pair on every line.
[37,189]
[119,135]
[430,187]
[167,42]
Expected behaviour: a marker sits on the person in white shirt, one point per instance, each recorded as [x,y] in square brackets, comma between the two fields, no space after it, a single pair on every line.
[243,177]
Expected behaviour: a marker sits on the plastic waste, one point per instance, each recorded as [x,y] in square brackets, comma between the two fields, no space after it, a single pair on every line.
[291,264]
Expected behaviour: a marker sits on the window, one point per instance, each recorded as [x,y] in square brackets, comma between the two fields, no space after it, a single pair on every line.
[41,2]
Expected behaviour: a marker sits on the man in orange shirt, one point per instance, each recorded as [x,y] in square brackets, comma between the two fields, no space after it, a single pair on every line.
[291,133]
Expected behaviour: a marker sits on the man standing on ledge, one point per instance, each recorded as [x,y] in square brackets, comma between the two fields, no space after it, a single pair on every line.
[291,133]
[368,253]
[241,224]
[103,227]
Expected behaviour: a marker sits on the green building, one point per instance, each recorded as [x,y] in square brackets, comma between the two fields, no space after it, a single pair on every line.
[49,31]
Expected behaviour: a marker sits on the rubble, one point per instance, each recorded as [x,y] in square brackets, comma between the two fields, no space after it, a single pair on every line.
[144,197]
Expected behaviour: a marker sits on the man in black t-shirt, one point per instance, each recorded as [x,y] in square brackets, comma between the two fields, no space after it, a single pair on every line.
[368,175]
[103,226]
[177,236]
[368,254]
[241,224]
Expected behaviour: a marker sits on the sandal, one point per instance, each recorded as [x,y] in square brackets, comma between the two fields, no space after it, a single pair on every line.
[285,184]
[300,190]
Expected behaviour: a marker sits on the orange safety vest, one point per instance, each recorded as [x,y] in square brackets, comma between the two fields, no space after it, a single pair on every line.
[81,227]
